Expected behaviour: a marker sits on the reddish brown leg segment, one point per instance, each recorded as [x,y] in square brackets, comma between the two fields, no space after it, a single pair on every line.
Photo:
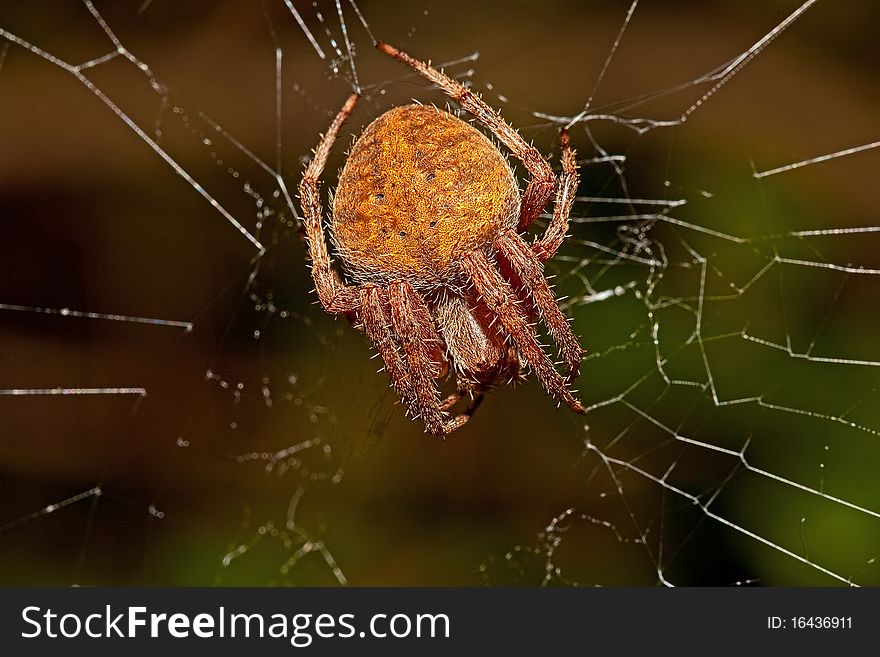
[419,340]
[525,263]
[500,297]
[377,325]
[542,180]
[414,326]
[547,245]
[335,296]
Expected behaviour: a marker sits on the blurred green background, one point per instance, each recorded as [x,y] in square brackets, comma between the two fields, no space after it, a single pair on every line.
[290,457]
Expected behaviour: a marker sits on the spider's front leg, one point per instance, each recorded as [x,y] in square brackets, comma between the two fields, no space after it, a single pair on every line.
[526,269]
[411,321]
[502,300]
[410,326]
[377,325]
[414,325]
[335,296]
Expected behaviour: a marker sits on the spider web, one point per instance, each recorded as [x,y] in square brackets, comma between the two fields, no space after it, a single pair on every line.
[177,410]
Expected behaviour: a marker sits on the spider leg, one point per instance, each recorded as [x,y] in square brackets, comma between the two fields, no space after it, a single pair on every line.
[335,296]
[501,298]
[411,377]
[546,246]
[377,325]
[528,270]
[542,181]
[413,326]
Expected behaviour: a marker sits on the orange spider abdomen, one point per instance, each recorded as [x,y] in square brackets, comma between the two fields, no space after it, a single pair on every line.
[419,189]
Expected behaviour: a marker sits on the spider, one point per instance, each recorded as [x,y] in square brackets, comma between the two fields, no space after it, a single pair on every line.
[427,221]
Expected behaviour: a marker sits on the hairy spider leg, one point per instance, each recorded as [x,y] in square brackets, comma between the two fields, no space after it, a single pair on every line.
[410,328]
[501,298]
[546,246]
[542,181]
[335,295]
[413,326]
[529,272]
[377,325]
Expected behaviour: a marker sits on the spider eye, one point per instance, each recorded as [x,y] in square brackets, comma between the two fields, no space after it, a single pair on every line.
[430,177]
[403,233]
[380,196]
[433,223]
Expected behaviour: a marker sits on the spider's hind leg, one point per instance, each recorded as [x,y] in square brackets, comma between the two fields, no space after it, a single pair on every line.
[546,246]
[335,296]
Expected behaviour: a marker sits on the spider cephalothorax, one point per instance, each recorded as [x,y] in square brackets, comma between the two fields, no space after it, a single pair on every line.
[427,220]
